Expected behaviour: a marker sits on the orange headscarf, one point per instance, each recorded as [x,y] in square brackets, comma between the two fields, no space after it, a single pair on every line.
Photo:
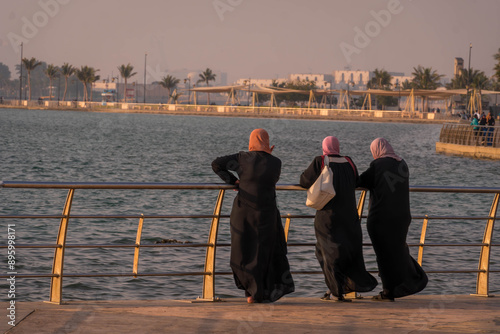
[259,141]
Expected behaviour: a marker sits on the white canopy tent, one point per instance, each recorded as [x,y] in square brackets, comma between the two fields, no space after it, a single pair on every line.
[436,94]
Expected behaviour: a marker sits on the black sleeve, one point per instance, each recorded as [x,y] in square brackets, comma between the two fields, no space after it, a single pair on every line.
[222,165]
[311,174]
[367,178]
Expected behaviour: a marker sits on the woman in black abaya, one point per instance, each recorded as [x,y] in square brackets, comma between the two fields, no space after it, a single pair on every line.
[389,217]
[258,246]
[337,226]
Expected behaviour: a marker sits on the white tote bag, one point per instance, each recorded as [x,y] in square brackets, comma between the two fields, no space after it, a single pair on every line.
[322,191]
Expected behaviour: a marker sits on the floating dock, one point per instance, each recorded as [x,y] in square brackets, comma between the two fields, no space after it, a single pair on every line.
[479,142]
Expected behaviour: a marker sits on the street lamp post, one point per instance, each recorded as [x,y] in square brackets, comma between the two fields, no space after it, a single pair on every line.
[145,59]
[331,96]
[21,75]
[135,86]
[188,81]
[468,79]
[58,88]
[248,94]
[326,94]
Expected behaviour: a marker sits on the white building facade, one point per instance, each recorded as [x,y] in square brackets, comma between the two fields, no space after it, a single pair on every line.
[357,80]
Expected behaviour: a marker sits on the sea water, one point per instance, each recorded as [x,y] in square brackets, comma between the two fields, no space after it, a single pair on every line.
[72,146]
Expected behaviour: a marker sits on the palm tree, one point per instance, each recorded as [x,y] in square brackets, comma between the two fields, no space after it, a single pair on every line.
[407,84]
[30,65]
[470,79]
[425,78]
[126,73]
[87,75]
[93,79]
[496,56]
[82,74]
[206,77]
[467,78]
[381,80]
[169,82]
[4,77]
[66,70]
[479,80]
[458,82]
[51,72]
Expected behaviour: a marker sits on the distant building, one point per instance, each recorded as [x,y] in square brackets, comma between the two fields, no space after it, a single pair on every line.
[323,81]
[397,80]
[357,80]
[259,82]
[459,66]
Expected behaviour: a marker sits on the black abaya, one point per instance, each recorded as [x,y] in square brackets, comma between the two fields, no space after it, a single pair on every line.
[338,230]
[388,221]
[258,246]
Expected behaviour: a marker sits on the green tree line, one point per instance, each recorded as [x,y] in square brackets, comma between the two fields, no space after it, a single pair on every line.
[39,80]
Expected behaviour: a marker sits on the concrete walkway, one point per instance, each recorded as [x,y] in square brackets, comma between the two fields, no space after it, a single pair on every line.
[414,314]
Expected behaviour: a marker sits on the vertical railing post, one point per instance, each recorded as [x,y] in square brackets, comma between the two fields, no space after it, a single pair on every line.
[58,264]
[422,241]
[484,258]
[443,134]
[463,135]
[361,203]
[135,268]
[209,279]
[496,136]
[287,227]
[470,136]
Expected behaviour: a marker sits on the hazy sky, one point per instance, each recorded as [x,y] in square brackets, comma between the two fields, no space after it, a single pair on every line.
[252,38]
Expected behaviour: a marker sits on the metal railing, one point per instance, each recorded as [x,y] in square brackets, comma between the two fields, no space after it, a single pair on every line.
[471,135]
[57,273]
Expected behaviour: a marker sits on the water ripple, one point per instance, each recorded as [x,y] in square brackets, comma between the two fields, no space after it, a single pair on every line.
[101,147]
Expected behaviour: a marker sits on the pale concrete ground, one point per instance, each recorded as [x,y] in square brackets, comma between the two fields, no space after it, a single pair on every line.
[414,314]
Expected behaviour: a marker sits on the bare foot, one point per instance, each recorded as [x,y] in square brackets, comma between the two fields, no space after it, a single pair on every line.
[250,300]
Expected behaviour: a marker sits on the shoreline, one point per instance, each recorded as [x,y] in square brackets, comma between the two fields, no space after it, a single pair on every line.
[302,114]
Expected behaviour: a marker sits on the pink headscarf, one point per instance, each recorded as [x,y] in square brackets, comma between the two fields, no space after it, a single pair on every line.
[381,148]
[259,141]
[331,146]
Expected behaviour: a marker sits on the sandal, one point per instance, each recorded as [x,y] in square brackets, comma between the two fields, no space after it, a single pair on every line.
[326,296]
[382,298]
